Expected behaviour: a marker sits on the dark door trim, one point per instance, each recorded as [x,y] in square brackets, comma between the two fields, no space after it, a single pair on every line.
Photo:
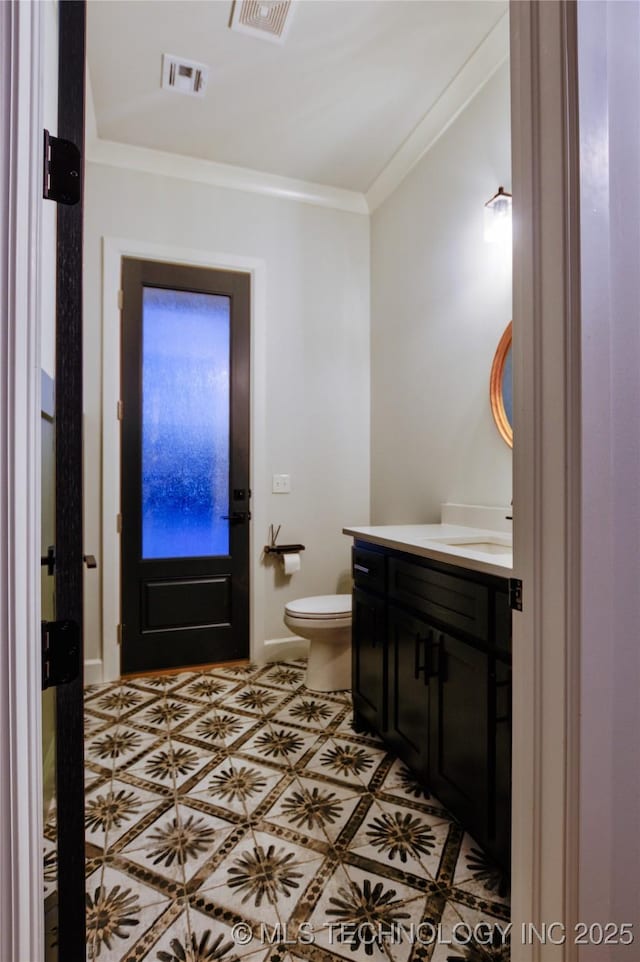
[69,548]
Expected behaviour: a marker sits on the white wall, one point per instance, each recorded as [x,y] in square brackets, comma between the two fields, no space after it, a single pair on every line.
[440,301]
[316,362]
[609,64]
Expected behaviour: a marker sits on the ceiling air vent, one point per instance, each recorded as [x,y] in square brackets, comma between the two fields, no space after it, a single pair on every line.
[184,76]
[266,19]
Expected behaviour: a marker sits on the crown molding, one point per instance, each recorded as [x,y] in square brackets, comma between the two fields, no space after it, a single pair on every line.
[113,154]
[488,56]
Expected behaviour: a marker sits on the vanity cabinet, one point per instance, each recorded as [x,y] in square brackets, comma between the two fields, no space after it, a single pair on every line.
[432,676]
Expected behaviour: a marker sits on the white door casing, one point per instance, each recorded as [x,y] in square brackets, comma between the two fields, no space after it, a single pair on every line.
[113,250]
[546,357]
[21,97]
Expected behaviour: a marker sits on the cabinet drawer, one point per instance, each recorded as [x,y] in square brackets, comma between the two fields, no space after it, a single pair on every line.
[369,569]
[456,602]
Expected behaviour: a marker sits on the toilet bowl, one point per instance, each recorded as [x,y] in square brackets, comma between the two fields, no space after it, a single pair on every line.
[325,620]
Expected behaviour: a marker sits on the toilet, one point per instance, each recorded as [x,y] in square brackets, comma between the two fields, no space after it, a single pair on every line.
[325,620]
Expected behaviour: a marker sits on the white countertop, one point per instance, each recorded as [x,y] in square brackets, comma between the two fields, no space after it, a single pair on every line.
[424,540]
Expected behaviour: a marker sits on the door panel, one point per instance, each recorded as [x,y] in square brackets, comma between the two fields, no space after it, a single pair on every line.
[369,671]
[459,730]
[408,724]
[201,601]
[185,466]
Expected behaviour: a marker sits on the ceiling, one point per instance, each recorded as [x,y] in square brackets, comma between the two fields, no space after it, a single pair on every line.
[331,105]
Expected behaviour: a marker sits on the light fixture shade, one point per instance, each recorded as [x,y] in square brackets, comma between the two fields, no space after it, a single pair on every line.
[497,218]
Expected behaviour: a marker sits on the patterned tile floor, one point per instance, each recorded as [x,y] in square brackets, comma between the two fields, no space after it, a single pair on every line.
[232,814]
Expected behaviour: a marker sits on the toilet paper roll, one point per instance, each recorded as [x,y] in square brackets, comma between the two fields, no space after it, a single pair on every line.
[291,562]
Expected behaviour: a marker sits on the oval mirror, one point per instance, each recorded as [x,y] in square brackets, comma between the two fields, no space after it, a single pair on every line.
[501,387]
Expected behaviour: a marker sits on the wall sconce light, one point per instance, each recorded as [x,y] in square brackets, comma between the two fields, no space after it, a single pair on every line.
[497,218]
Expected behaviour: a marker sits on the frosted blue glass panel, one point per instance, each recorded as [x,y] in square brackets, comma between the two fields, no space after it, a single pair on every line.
[185,424]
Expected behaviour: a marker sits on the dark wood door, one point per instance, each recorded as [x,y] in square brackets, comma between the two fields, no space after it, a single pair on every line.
[63,731]
[409,642]
[369,674]
[185,465]
[459,729]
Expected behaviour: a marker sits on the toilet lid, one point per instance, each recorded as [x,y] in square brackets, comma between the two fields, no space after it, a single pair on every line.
[320,606]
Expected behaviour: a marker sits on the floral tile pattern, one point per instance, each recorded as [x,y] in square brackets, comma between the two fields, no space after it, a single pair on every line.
[232,814]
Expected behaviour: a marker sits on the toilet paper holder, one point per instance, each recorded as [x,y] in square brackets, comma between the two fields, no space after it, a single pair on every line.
[280,549]
[283,548]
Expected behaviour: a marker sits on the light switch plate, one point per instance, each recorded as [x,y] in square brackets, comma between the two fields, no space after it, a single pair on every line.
[281,484]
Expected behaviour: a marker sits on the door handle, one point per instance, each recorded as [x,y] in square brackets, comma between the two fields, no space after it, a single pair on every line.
[237,516]
[50,560]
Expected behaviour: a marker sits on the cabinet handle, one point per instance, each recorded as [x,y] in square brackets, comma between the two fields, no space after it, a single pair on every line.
[365,571]
[417,667]
[436,659]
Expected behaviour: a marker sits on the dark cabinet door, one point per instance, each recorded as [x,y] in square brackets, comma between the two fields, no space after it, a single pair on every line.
[369,673]
[459,730]
[409,642]
[499,840]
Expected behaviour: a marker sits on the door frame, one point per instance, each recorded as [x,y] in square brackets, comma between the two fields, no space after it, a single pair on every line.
[547,466]
[113,251]
[546,638]
[21,280]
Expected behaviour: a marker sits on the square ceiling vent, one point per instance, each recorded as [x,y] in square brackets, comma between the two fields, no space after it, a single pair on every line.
[266,19]
[184,76]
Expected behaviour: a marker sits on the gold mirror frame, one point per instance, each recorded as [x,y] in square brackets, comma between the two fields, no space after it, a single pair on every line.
[495,387]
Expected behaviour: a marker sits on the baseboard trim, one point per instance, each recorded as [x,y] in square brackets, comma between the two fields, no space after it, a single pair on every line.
[93,671]
[283,649]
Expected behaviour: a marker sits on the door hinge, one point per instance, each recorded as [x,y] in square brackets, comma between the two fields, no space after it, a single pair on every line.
[120,299]
[119,634]
[61,170]
[120,410]
[60,653]
[119,523]
[515,594]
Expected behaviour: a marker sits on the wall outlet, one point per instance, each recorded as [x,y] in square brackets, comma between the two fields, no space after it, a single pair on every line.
[281,484]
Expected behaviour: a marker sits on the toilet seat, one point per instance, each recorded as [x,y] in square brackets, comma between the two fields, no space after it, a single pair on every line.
[320,608]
